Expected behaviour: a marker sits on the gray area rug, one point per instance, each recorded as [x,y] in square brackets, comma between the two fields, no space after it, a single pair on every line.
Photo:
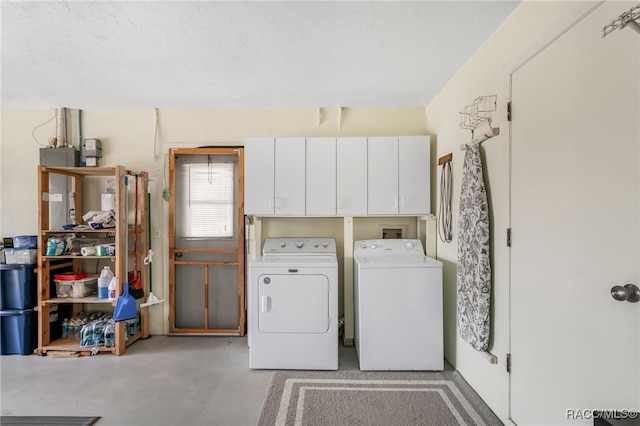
[47,421]
[373,398]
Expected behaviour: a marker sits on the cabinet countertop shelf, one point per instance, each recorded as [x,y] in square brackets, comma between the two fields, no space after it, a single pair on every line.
[92,299]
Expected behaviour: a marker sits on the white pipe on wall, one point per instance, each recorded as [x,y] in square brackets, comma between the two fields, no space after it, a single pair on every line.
[62,128]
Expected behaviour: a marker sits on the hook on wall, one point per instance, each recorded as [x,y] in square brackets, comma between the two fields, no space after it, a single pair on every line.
[631,18]
[478,113]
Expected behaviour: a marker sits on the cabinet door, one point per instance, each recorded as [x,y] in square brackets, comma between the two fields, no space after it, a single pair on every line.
[259,176]
[351,176]
[321,176]
[414,184]
[289,176]
[382,175]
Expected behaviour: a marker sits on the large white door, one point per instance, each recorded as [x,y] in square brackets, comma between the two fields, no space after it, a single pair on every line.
[575,219]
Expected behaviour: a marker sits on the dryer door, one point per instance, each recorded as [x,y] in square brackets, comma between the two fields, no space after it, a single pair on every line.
[293,303]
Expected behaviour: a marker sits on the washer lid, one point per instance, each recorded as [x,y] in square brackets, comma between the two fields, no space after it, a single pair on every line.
[296,261]
[391,261]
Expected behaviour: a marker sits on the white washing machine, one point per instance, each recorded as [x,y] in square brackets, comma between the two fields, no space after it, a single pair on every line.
[398,306]
[293,305]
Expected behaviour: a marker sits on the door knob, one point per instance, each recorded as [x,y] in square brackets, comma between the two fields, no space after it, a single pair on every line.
[630,293]
[178,254]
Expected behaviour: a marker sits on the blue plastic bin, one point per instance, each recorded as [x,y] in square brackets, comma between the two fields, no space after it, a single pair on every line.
[25,241]
[18,287]
[18,332]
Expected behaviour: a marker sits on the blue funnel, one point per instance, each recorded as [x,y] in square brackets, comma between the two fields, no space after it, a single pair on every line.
[125,306]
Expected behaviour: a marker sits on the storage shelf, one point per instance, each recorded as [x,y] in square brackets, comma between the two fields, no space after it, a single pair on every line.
[94,299]
[78,231]
[79,256]
[49,265]
[82,171]
[73,345]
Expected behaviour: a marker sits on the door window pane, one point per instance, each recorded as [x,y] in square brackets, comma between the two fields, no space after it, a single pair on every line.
[208,190]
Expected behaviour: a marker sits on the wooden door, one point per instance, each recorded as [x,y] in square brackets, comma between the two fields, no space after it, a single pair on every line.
[206,241]
[575,217]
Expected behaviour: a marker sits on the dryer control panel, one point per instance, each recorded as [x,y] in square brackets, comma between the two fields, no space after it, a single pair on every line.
[390,246]
[291,245]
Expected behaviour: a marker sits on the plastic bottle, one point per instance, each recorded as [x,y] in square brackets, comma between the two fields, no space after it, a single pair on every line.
[65,328]
[112,289]
[103,282]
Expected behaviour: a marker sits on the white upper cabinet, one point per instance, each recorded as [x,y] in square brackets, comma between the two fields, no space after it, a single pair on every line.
[398,174]
[382,175]
[337,176]
[259,163]
[414,183]
[351,188]
[274,176]
[289,176]
[321,176]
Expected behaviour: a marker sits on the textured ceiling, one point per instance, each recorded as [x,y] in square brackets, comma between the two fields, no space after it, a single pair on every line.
[209,54]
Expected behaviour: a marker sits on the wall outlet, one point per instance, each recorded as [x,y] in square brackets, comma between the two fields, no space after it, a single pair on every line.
[156,233]
[392,232]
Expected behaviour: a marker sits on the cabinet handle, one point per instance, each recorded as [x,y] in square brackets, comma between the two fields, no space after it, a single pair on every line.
[395,202]
[402,202]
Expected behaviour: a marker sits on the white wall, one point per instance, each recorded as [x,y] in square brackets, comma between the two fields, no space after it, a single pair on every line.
[528,29]
[128,138]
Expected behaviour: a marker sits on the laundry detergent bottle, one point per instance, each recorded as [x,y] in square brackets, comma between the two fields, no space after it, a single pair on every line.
[112,289]
[103,282]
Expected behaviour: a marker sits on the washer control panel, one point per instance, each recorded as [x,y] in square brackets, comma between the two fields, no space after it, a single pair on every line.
[388,247]
[289,245]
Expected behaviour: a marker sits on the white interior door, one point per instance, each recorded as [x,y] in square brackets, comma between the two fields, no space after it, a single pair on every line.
[575,218]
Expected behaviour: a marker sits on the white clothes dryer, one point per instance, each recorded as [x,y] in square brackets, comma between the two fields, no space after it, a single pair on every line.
[293,305]
[398,306]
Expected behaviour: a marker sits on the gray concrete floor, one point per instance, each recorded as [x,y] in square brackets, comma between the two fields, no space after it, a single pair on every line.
[158,381]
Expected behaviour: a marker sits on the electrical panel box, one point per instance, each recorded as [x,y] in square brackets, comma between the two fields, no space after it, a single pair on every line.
[59,185]
[91,152]
[92,148]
